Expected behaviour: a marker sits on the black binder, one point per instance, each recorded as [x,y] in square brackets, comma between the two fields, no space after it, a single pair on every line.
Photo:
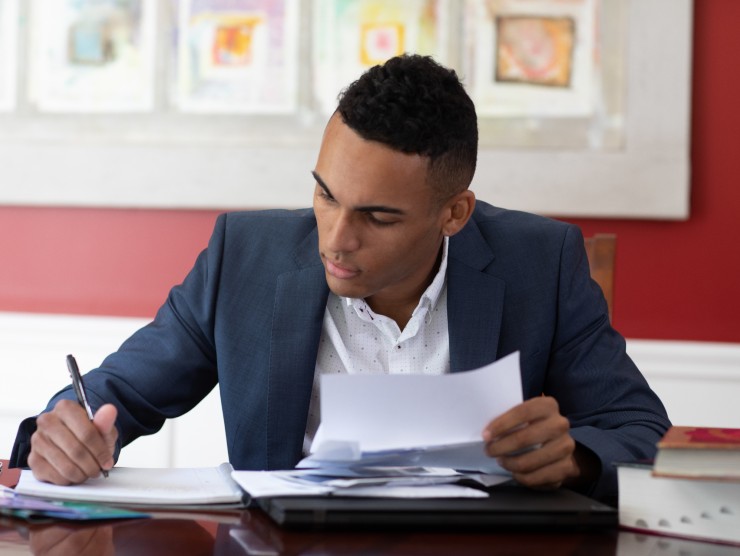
[509,506]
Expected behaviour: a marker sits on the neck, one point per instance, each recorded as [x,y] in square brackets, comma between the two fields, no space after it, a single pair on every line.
[399,306]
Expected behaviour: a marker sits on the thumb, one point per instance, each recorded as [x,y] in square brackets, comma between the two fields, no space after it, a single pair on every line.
[105,419]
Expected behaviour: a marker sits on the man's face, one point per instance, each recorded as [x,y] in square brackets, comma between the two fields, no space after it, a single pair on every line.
[380,229]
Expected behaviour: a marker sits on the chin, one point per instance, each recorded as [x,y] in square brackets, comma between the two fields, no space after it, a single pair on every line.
[343,288]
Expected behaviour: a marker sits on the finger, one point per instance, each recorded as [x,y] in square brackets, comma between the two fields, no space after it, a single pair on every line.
[50,457]
[87,446]
[547,467]
[551,453]
[66,440]
[105,418]
[44,471]
[510,421]
[49,466]
[550,476]
[105,421]
[533,435]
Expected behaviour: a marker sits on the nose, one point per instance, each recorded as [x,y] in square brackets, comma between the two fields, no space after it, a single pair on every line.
[343,235]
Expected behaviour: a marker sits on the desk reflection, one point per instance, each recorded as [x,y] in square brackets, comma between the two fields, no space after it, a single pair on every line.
[61,540]
[252,533]
[145,537]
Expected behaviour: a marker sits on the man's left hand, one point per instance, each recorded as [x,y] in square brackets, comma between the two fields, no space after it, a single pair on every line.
[532,441]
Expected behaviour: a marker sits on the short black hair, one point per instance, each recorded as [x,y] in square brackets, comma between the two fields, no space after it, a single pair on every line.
[414,105]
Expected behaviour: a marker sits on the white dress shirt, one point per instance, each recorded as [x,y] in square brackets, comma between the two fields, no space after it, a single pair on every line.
[356,340]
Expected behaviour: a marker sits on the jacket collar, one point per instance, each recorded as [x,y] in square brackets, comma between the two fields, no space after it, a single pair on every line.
[300,301]
[474,301]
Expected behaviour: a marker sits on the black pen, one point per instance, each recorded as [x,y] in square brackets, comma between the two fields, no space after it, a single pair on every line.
[79,389]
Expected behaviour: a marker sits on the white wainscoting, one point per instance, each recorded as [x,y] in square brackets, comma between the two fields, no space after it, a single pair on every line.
[32,360]
[699,383]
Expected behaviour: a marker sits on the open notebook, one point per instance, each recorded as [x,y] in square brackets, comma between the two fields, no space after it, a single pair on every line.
[146,487]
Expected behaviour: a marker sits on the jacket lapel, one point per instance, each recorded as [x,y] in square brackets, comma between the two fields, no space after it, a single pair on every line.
[474,301]
[300,301]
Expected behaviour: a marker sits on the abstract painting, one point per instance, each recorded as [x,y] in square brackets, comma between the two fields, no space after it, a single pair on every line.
[351,36]
[92,55]
[237,56]
[532,58]
[534,50]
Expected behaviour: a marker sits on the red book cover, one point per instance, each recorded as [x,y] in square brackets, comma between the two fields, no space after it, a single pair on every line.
[701,438]
[8,477]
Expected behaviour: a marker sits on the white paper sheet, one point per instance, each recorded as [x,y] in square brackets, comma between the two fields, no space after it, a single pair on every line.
[424,420]
[260,484]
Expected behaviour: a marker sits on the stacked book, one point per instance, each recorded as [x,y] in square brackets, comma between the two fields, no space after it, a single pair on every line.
[692,489]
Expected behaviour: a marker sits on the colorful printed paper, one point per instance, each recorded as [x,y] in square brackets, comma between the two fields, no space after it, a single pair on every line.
[34,509]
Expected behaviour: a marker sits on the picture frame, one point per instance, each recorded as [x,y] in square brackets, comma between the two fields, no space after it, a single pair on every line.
[164,162]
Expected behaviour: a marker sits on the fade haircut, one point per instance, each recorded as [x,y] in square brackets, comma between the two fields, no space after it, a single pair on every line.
[416,106]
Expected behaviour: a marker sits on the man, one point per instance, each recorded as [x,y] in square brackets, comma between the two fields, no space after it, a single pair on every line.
[396,269]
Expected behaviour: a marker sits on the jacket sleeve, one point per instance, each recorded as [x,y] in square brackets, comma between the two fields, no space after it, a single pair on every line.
[176,349]
[611,408]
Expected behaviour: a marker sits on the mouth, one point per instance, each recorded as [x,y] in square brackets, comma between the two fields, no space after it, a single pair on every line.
[338,271]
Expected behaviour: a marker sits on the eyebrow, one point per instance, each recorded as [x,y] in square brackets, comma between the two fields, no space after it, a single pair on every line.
[368,208]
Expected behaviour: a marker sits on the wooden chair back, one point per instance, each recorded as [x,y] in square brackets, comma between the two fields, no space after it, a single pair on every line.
[600,249]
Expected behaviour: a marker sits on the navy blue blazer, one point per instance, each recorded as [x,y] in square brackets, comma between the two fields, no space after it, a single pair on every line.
[249,315]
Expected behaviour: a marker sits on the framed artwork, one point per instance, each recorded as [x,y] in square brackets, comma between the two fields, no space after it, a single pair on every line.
[583,104]
[534,50]
[548,74]
[237,56]
[351,36]
[589,114]
[535,59]
[8,49]
[92,55]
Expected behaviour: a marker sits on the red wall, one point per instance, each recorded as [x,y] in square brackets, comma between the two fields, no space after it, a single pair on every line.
[681,280]
[675,280]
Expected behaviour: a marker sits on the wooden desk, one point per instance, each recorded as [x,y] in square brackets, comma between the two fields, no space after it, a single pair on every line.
[252,533]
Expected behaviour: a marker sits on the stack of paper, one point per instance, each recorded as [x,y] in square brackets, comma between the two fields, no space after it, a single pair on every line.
[408,436]
[388,483]
[400,435]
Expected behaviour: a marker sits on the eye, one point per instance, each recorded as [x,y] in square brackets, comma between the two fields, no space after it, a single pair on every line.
[325,196]
[377,222]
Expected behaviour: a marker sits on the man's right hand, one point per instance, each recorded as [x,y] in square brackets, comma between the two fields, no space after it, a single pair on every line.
[67,448]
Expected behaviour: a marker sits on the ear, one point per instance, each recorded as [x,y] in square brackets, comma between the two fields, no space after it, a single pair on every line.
[458,210]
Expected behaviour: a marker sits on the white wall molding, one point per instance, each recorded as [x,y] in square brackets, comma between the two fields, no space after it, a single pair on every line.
[681,360]
[699,382]
[32,352]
